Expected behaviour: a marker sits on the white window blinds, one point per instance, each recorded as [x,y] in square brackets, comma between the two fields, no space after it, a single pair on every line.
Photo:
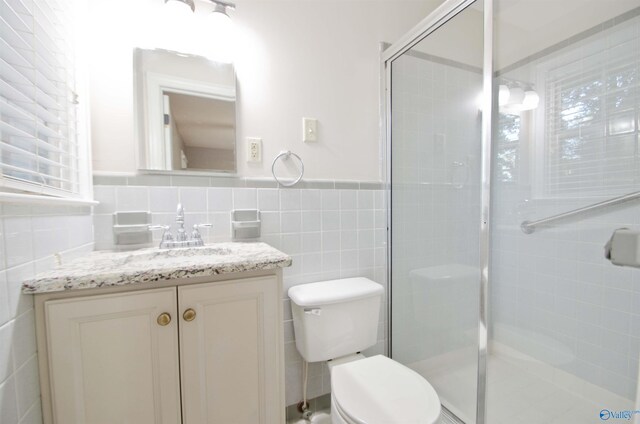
[592,109]
[38,137]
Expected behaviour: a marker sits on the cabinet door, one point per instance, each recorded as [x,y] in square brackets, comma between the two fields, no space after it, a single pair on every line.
[111,361]
[231,352]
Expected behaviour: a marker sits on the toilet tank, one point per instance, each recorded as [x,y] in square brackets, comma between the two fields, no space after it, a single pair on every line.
[335,318]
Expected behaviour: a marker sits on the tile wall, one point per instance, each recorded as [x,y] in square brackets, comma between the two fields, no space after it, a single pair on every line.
[30,238]
[436,199]
[330,229]
[554,296]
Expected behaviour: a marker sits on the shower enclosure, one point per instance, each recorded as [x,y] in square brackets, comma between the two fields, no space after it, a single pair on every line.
[499,113]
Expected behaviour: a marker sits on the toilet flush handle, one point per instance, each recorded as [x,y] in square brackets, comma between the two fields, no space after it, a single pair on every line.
[312,311]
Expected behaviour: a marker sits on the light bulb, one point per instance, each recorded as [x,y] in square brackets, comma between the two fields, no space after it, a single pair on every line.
[531,100]
[220,23]
[503,95]
[516,96]
[220,36]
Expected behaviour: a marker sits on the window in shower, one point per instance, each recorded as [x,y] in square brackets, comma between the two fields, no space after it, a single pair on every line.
[591,118]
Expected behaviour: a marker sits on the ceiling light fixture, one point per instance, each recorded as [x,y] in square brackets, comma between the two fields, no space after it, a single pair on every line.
[180,5]
[221,7]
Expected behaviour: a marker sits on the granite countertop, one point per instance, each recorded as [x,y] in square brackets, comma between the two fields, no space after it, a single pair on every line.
[108,269]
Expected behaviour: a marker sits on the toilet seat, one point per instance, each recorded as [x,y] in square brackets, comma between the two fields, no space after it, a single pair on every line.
[379,390]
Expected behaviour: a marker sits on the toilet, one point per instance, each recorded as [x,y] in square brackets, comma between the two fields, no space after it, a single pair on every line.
[334,321]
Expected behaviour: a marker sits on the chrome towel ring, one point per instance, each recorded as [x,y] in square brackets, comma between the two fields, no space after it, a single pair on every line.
[287,154]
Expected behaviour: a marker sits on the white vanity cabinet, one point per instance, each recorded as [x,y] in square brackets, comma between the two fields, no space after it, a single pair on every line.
[192,353]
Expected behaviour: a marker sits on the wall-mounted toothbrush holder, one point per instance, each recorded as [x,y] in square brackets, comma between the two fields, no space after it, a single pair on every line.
[245,224]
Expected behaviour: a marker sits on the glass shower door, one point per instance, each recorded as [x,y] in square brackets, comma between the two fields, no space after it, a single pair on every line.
[565,329]
[435,204]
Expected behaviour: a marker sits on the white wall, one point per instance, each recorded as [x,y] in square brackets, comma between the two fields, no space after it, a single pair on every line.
[293,58]
[30,237]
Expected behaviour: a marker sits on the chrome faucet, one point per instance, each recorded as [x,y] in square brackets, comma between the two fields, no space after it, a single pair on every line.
[182,233]
[182,239]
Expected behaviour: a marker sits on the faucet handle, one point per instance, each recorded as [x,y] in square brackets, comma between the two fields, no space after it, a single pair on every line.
[166,236]
[158,227]
[196,234]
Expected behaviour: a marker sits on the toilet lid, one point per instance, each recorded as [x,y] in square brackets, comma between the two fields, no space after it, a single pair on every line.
[379,390]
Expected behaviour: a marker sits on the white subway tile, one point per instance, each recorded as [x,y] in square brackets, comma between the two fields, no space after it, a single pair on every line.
[311,263]
[330,220]
[349,260]
[132,199]
[365,199]
[24,341]
[311,242]
[107,197]
[348,220]
[269,199]
[4,299]
[365,219]
[330,261]
[292,243]
[289,200]
[270,222]
[311,221]
[221,222]
[245,198]
[290,222]
[330,199]
[348,240]
[7,333]
[8,402]
[348,199]
[27,385]
[18,302]
[330,241]
[163,199]
[193,199]
[310,200]
[219,199]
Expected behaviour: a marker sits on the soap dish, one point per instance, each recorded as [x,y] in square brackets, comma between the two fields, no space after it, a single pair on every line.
[131,229]
[245,224]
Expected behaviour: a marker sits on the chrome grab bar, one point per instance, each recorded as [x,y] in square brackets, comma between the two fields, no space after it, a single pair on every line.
[529,227]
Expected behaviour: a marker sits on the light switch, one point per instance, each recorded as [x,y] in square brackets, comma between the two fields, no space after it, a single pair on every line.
[254,149]
[309,130]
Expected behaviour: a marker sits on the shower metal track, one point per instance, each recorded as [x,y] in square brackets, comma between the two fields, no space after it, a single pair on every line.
[447,417]
[529,227]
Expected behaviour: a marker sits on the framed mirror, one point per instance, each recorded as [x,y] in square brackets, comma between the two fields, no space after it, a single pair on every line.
[185,112]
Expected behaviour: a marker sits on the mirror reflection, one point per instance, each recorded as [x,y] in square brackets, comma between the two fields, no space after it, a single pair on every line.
[186,112]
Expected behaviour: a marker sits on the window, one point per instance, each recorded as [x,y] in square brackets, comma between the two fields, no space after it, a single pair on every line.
[39,148]
[591,121]
[508,148]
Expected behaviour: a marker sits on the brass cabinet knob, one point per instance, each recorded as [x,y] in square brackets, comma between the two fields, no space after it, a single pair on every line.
[164,319]
[189,315]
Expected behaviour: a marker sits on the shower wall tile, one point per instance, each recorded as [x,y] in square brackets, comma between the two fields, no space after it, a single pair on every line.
[436,152]
[330,233]
[585,314]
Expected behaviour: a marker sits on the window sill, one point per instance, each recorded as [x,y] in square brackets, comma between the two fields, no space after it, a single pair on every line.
[35,199]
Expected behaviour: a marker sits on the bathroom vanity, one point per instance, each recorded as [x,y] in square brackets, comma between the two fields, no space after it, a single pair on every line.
[163,336]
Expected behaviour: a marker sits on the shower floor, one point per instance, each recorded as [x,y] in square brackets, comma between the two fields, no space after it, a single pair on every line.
[520,390]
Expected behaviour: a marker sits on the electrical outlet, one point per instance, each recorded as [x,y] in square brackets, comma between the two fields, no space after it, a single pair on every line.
[309,130]
[254,149]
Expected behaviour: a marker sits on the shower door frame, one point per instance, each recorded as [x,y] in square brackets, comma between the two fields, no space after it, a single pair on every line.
[436,19]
